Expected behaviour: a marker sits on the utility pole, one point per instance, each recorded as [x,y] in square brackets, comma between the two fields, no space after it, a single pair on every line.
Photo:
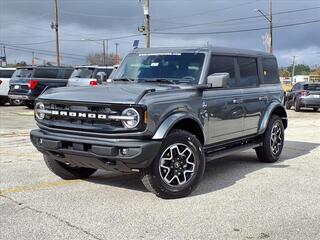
[270,26]
[32,62]
[104,52]
[147,22]
[293,67]
[269,18]
[55,26]
[117,58]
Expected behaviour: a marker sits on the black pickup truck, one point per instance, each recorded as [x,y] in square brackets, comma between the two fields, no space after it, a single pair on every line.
[27,83]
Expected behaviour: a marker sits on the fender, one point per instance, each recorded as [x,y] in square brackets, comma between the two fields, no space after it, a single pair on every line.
[167,124]
[272,107]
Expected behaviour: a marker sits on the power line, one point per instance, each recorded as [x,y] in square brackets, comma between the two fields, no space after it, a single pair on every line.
[239,19]
[236,31]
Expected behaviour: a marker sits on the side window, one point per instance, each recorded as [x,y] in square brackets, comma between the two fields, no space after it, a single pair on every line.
[296,87]
[248,72]
[66,73]
[224,64]
[46,73]
[270,70]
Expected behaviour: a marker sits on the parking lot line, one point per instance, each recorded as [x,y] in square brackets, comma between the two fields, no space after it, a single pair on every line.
[40,186]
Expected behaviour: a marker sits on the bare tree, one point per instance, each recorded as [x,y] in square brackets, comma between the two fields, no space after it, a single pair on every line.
[97,59]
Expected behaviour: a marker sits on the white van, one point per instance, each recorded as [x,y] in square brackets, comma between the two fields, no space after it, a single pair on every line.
[5,76]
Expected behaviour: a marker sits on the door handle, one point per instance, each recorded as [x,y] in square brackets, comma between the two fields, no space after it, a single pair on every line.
[237,101]
[264,98]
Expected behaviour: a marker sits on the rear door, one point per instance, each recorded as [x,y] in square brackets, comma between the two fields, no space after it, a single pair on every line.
[223,107]
[254,98]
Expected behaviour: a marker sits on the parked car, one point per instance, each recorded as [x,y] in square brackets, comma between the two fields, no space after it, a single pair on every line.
[5,76]
[167,112]
[304,95]
[89,75]
[27,83]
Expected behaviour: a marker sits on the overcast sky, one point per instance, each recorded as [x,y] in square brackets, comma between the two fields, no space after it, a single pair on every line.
[24,23]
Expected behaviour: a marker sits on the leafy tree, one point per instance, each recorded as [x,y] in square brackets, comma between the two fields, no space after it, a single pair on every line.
[300,69]
[284,72]
[315,71]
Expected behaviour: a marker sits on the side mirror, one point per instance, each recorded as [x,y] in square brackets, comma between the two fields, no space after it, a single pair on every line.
[101,76]
[218,80]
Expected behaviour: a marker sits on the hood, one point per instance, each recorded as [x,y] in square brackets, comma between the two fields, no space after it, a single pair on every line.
[112,93]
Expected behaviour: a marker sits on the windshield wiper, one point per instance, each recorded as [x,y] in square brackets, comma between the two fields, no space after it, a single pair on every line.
[161,80]
[123,79]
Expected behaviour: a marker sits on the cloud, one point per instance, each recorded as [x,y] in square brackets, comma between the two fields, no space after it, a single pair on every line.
[28,21]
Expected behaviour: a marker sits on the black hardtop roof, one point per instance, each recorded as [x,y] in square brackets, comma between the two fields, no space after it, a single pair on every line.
[46,67]
[215,50]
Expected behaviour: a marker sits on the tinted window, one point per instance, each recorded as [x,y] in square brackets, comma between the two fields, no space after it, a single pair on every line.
[46,73]
[224,64]
[296,87]
[6,73]
[248,72]
[67,73]
[270,70]
[23,73]
[82,73]
[312,87]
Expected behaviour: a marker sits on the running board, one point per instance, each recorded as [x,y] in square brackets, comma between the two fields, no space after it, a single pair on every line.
[225,152]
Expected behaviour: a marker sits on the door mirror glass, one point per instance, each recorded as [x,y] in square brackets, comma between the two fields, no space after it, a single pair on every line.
[101,77]
[218,80]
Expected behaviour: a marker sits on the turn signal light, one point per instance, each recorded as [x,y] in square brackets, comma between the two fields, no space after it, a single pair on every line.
[33,84]
[93,83]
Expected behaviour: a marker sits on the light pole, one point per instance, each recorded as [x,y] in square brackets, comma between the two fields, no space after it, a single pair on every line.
[117,58]
[269,19]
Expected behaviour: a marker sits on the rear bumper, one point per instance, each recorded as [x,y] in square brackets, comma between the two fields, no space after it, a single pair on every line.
[116,155]
[310,102]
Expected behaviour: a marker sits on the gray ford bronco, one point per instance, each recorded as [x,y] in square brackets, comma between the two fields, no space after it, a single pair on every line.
[167,112]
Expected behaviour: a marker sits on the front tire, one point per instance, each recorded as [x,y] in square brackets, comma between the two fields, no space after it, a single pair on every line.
[273,141]
[3,101]
[288,106]
[65,171]
[178,167]
[315,109]
[30,104]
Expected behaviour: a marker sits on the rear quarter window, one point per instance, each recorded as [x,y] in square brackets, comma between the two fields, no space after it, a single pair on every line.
[270,71]
[248,71]
[6,73]
[46,73]
[66,73]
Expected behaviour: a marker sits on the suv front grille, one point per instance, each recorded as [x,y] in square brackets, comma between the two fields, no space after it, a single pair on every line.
[86,118]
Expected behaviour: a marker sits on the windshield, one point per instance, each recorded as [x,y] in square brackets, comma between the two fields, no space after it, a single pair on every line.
[23,73]
[176,67]
[82,73]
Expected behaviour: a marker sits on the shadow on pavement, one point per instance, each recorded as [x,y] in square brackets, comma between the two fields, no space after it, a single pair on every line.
[220,173]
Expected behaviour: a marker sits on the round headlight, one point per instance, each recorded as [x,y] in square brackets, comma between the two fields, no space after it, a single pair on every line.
[39,110]
[133,118]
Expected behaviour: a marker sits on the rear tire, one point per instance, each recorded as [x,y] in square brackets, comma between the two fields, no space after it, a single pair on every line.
[296,106]
[178,167]
[67,172]
[315,109]
[16,102]
[273,141]
[3,101]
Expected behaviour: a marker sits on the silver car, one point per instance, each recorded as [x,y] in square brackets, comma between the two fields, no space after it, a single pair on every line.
[89,75]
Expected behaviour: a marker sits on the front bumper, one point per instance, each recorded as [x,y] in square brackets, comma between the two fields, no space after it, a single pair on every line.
[109,154]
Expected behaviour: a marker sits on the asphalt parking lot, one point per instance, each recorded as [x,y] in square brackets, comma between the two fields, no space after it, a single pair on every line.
[239,198]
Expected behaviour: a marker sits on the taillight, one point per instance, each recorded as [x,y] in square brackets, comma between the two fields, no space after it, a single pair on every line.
[33,84]
[93,83]
[304,93]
